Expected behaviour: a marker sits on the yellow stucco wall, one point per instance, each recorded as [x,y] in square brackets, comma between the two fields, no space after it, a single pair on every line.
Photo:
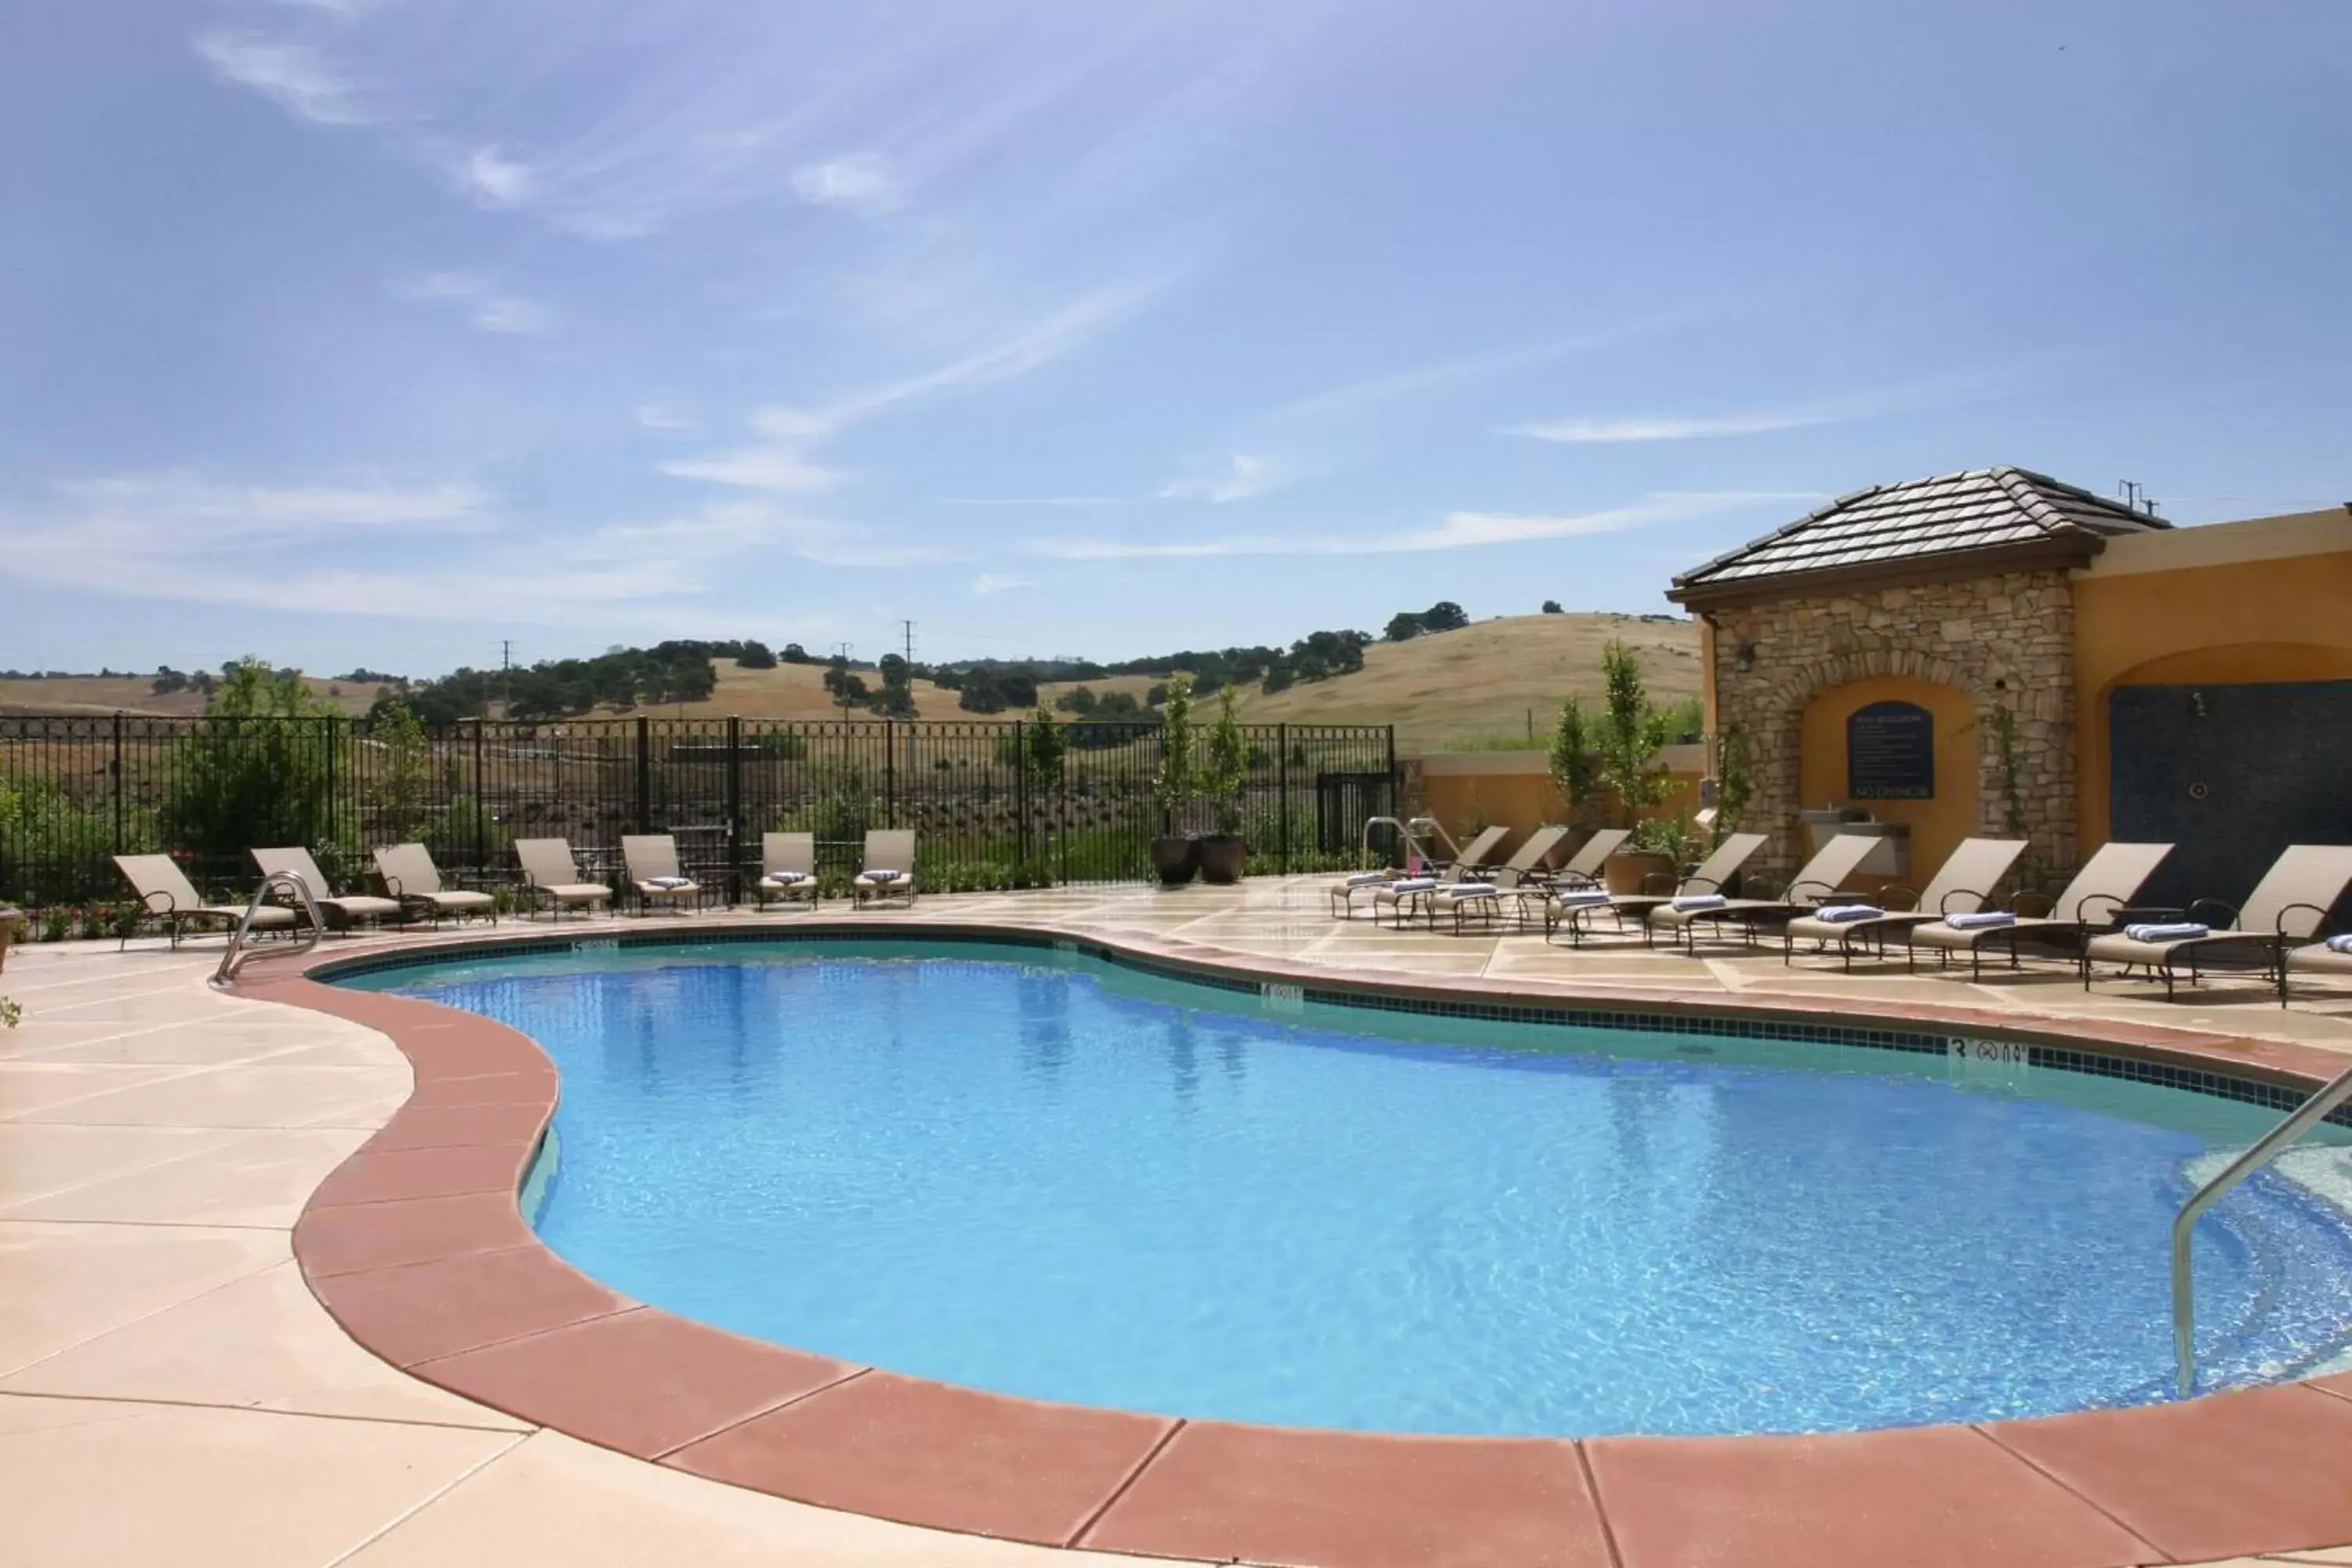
[1938,824]
[1470,790]
[2287,617]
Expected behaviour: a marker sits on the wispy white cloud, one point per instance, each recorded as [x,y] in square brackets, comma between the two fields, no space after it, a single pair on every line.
[661,416]
[162,508]
[1242,477]
[784,468]
[299,79]
[988,584]
[862,183]
[486,308]
[494,179]
[1031,501]
[1878,403]
[1455,530]
[1370,390]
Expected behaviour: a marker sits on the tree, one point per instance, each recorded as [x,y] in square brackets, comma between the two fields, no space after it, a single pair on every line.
[1631,734]
[1445,616]
[1404,627]
[1080,701]
[1551,607]
[1571,758]
[405,777]
[254,771]
[1178,781]
[981,693]
[1224,764]
[897,697]
[168,680]
[755,656]
[795,654]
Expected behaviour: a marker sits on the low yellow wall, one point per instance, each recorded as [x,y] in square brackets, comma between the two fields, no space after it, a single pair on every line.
[2189,607]
[1938,824]
[1468,791]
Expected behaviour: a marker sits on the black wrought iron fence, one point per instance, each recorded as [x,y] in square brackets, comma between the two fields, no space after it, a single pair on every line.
[988,812]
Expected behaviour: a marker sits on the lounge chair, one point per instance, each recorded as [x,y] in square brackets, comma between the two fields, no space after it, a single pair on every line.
[550,871]
[166,895]
[1963,885]
[343,911]
[1482,895]
[2319,958]
[410,876]
[1817,881]
[1581,873]
[2100,890]
[1343,895]
[888,868]
[1710,878]
[2286,907]
[787,868]
[1406,894]
[651,859]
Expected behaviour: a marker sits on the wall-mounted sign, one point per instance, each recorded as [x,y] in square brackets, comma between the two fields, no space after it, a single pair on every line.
[1890,753]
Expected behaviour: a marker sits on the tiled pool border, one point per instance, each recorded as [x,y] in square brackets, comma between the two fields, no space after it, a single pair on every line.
[418,1247]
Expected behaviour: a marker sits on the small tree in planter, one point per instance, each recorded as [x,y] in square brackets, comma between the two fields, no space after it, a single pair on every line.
[1631,733]
[1042,747]
[1225,773]
[1573,771]
[1175,856]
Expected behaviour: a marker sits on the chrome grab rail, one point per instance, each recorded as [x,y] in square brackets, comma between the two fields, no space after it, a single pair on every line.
[2300,1121]
[293,882]
[1414,832]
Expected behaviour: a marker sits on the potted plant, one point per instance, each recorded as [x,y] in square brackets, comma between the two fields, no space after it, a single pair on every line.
[1176,857]
[1631,733]
[1225,771]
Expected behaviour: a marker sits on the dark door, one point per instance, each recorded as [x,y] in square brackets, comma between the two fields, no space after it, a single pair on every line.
[1345,802]
[2232,775]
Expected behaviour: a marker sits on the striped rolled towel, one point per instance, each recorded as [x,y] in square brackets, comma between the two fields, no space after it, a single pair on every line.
[1983,920]
[1580,897]
[1365,878]
[1844,914]
[1412,885]
[2340,943]
[1701,901]
[1473,890]
[2178,931]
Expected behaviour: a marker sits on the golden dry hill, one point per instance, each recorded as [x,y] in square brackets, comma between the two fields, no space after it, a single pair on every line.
[96,694]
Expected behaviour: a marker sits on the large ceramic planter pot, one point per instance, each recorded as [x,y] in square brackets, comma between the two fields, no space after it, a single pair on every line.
[1222,855]
[1175,860]
[1625,871]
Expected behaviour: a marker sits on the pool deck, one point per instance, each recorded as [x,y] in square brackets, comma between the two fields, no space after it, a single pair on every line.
[172,1390]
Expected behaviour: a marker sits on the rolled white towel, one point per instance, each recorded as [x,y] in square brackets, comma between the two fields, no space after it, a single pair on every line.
[2178,931]
[1700,901]
[883,874]
[670,883]
[1412,885]
[1473,890]
[1983,920]
[1580,897]
[786,879]
[1844,914]
[1367,878]
[2340,943]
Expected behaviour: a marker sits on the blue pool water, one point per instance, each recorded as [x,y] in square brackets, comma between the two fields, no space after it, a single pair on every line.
[1042,1174]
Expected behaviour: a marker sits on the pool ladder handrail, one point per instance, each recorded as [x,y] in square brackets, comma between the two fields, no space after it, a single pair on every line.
[293,882]
[2300,1121]
[1415,831]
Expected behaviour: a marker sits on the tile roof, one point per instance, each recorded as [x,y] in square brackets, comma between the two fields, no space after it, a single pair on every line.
[1982,508]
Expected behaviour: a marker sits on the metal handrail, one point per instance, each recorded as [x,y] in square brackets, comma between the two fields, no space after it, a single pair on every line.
[1415,832]
[294,882]
[2302,1120]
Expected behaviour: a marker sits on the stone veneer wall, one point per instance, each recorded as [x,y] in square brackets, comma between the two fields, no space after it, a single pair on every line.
[2006,641]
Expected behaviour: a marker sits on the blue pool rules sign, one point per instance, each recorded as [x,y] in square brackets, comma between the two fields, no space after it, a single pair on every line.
[1890,753]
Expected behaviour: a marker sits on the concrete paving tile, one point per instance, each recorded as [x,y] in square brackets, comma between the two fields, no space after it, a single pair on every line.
[355,1238]
[27,1089]
[925,1453]
[36,1158]
[2264,1470]
[2328,1554]
[427,1310]
[262,1341]
[686,1380]
[229,1487]
[1926,1496]
[253,1179]
[554,1502]
[1361,1500]
[63,1284]
[255,1097]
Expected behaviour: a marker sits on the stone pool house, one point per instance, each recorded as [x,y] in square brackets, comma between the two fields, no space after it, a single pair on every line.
[1996,652]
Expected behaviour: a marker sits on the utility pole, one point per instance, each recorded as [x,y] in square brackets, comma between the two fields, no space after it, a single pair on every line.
[506,672]
[910,642]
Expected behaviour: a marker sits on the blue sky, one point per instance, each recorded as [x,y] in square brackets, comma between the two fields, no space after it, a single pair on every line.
[373,331]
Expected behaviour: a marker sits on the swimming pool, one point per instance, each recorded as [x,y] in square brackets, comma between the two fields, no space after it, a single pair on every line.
[1045,1175]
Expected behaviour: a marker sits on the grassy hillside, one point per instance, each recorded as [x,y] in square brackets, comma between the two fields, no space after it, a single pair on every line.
[135,694]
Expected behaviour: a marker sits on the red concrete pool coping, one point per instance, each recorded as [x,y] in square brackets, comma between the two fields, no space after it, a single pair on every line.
[418,1247]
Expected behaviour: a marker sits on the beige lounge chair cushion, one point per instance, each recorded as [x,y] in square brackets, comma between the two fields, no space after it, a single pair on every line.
[2319,959]
[1936,933]
[453,901]
[360,907]
[656,890]
[577,892]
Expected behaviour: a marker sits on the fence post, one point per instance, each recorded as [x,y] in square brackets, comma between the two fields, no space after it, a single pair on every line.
[889,773]
[481,806]
[115,768]
[734,811]
[645,777]
[334,836]
[1020,798]
[1282,808]
[1396,800]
